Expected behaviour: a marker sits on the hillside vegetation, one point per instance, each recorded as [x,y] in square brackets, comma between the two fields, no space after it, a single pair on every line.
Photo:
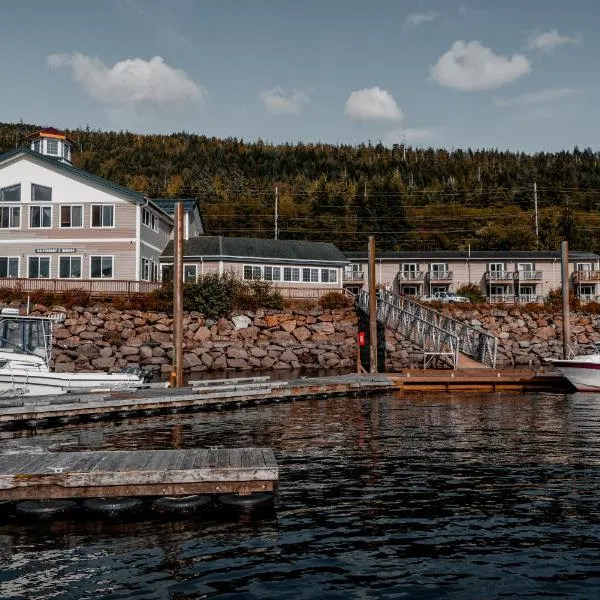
[409,198]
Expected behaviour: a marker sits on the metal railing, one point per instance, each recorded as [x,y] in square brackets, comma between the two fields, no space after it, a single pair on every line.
[589,297]
[529,275]
[307,293]
[354,276]
[437,334]
[439,275]
[499,275]
[95,287]
[579,276]
[410,276]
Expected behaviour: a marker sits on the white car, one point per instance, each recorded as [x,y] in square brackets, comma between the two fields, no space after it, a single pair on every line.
[449,297]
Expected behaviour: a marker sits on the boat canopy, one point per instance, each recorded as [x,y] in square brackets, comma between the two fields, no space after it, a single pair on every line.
[27,335]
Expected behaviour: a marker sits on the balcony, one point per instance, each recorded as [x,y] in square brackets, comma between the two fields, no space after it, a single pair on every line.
[410,276]
[501,299]
[95,287]
[585,276]
[443,276]
[588,298]
[529,275]
[506,276]
[352,276]
[529,299]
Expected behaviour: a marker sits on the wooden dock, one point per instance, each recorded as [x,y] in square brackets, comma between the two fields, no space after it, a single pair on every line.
[222,393]
[137,473]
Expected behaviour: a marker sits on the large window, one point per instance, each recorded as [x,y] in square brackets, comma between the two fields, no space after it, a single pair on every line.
[9,266]
[190,272]
[272,273]
[103,215]
[329,275]
[12,193]
[252,272]
[70,267]
[39,267]
[291,273]
[149,219]
[41,193]
[149,270]
[310,275]
[101,267]
[71,216]
[40,217]
[10,217]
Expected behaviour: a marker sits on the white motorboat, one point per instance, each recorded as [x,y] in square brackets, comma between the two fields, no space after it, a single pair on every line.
[582,371]
[25,351]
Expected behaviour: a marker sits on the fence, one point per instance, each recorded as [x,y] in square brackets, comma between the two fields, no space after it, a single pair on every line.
[95,287]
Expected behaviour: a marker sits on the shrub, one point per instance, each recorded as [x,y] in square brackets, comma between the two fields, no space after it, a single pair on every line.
[10,294]
[554,300]
[333,300]
[473,292]
[213,294]
[42,297]
[251,295]
[76,297]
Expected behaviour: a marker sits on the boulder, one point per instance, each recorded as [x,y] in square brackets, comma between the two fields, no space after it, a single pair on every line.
[104,362]
[301,334]
[241,321]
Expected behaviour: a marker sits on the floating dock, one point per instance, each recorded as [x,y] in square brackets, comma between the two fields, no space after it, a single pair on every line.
[71,475]
[220,393]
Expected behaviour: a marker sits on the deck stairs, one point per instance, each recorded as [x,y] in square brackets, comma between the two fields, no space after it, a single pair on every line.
[443,339]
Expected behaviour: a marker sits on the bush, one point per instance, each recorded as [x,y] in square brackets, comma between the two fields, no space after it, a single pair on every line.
[76,297]
[213,294]
[473,292]
[8,295]
[257,294]
[333,300]
[42,297]
[554,300]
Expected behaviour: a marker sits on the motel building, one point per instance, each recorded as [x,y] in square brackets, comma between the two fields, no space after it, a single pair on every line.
[62,227]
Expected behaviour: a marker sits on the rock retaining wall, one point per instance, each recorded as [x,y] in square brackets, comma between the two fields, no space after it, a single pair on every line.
[101,338]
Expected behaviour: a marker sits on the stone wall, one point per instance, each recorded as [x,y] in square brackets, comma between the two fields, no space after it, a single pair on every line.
[101,338]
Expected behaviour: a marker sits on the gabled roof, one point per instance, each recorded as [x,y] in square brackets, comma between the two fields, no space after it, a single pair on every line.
[258,249]
[473,255]
[72,170]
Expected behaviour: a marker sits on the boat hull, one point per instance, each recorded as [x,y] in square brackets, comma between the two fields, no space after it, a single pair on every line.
[583,375]
[29,382]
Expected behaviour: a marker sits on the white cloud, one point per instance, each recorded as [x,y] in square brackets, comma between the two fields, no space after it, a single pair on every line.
[129,82]
[540,97]
[279,101]
[373,104]
[470,66]
[417,19]
[409,135]
[547,41]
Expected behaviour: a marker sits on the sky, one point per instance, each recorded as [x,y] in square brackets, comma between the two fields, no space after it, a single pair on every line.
[518,75]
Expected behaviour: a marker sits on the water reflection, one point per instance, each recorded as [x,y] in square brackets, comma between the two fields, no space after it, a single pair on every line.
[420,496]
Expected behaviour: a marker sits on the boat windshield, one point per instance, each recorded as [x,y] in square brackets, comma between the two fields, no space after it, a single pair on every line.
[31,336]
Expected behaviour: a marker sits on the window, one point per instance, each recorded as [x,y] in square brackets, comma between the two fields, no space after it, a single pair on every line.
[9,266]
[272,273]
[40,217]
[103,215]
[40,193]
[409,268]
[12,193]
[37,145]
[10,217]
[496,267]
[329,275]
[70,267]
[190,272]
[39,267]
[52,147]
[436,289]
[71,216]
[252,272]
[149,219]
[149,270]
[525,267]
[410,290]
[66,151]
[310,275]
[583,267]
[291,273]
[101,267]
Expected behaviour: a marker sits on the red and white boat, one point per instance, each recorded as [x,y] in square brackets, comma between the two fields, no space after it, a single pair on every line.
[582,371]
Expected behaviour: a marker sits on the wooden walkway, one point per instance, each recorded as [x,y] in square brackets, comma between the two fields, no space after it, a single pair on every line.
[136,473]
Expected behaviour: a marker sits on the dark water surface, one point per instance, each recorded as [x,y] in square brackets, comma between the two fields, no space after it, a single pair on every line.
[422,496]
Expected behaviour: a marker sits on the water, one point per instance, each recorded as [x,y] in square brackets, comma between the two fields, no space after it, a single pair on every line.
[427,496]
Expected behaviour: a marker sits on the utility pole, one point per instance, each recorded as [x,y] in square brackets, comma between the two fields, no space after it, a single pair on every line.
[372,307]
[276,212]
[537,231]
[564,263]
[177,373]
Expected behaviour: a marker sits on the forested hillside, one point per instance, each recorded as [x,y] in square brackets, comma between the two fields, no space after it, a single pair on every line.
[408,198]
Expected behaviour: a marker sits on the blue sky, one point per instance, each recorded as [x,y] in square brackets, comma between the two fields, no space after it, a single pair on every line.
[519,75]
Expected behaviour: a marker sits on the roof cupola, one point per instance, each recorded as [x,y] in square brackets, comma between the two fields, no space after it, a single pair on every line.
[52,143]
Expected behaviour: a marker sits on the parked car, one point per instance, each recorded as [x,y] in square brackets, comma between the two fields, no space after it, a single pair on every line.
[448,297]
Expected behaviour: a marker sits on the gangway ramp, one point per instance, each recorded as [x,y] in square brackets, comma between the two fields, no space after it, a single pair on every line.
[438,335]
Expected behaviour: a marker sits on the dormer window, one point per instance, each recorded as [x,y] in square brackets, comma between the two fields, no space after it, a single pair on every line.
[41,193]
[37,145]
[52,147]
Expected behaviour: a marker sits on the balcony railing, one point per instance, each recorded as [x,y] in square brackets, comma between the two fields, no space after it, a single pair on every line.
[354,276]
[439,275]
[529,275]
[529,299]
[501,299]
[410,276]
[589,297]
[581,276]
[499,275]
[95,287]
